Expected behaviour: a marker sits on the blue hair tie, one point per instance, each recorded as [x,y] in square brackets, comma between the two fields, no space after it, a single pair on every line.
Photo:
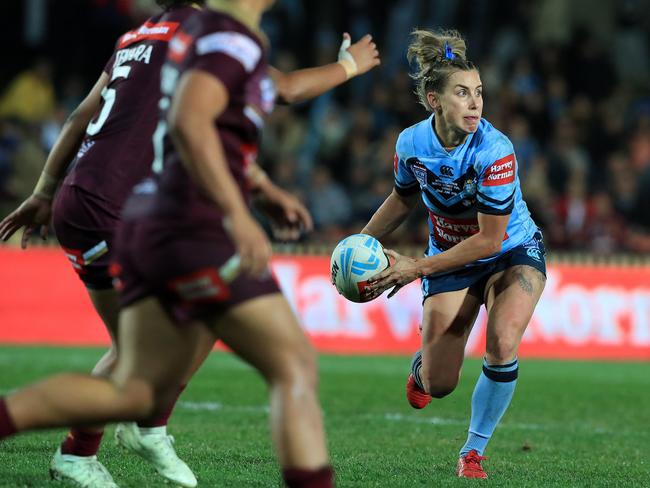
[449,54]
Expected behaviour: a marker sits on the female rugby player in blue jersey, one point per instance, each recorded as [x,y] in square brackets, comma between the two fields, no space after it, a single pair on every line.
[483,245]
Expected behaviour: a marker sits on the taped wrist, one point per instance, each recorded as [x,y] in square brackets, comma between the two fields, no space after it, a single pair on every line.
[346,60]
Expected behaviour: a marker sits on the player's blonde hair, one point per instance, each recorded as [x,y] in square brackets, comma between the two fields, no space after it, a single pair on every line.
[438,54]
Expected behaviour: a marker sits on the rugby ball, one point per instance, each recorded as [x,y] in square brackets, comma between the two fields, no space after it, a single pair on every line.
[356,259]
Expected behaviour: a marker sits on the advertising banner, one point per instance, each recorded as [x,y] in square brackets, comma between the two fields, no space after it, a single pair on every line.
[586,311]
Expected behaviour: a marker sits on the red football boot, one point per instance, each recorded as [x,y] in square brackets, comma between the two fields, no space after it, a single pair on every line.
[417,397]
[469,466]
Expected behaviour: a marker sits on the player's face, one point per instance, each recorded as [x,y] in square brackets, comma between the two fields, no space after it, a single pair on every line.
[461,102]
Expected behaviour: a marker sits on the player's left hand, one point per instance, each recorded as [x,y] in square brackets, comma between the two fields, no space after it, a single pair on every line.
[288,217]
[400,273]
[364,53]
[33,214]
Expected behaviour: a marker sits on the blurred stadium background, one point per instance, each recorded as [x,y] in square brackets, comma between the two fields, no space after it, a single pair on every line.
[567,81]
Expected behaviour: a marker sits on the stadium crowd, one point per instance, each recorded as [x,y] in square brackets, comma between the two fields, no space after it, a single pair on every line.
[567,82]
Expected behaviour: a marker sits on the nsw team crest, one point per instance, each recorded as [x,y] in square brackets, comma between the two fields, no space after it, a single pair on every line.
[420,173]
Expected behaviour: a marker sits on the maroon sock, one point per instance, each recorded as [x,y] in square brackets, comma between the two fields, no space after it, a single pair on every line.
[309,478]
[82,442]
[7,427]
[163,418]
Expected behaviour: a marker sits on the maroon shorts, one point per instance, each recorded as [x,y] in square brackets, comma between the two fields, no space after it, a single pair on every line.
[182,268]
[85,227]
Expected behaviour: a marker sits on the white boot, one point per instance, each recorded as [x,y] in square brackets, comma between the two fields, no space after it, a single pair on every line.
[158,449]
[84,471]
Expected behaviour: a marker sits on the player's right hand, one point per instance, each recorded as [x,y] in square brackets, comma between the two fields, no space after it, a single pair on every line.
[33,214]
[251,243]
[364,52]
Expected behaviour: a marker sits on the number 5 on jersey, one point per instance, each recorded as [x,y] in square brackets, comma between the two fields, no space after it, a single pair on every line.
[108,94]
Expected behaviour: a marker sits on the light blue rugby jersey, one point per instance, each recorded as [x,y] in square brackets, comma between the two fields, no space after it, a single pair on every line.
[480,175]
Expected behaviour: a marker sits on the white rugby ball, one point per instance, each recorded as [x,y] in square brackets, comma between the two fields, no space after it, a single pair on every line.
[354,260]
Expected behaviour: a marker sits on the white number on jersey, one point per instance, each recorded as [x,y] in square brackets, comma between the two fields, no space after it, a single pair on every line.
[108,94]
[168,80]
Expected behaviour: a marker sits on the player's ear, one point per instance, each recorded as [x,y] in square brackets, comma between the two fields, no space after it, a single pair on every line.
[434,102]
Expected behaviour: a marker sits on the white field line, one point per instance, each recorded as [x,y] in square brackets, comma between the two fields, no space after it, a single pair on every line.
[401,418]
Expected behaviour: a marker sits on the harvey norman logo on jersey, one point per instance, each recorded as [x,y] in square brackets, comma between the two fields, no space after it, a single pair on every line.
[162,31]
[502,172]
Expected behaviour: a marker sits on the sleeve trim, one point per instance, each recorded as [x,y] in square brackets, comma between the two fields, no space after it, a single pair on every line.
[494,200]
[494,211]
[406,191]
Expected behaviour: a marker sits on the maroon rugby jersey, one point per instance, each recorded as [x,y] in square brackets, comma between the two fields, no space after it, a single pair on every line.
[216,43]
[117,151]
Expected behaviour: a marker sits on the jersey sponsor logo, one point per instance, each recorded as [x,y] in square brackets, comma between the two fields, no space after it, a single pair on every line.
[179,46]
[420,172]
[141,53]
[446,171]
[238,46]
[395,163]
[449,231]
[162,31]
[501,172]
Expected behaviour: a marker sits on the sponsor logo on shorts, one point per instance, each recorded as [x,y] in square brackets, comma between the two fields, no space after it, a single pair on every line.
[501,172]
[95,252]
[201,286]
[533,250]
[81,259]
[534,253]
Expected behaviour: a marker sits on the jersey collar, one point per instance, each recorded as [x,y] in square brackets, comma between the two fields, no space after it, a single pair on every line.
[230,8]
[437,146]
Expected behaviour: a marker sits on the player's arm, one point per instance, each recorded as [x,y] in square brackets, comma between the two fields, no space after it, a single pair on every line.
[199,99]
[391,214]
[35,211]
[304,84]
[483,244]
[288,217]
[67,144]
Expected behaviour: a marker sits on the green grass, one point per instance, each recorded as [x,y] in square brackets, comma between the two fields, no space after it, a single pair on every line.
[570,424]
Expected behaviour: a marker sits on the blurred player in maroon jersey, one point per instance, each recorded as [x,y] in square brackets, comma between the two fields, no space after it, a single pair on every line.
[88,206]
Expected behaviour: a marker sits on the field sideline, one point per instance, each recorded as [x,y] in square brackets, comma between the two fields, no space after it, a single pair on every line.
[570,424]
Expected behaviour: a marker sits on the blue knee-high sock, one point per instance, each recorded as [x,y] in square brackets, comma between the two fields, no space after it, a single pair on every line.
[492,395]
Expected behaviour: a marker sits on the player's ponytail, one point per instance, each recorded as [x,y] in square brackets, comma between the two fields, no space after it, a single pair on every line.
[438,54]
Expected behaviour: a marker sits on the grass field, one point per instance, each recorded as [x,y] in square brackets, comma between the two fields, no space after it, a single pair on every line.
[570,424]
